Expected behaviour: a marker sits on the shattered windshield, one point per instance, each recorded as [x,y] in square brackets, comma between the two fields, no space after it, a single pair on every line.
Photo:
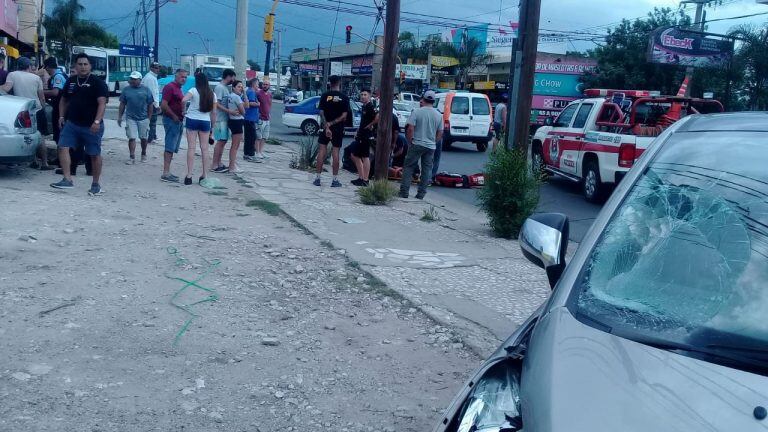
[685,257]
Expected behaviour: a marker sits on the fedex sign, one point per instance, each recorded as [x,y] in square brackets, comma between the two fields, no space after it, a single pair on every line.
[671,41]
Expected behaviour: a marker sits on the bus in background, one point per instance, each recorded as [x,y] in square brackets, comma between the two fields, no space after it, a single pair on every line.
[111,66]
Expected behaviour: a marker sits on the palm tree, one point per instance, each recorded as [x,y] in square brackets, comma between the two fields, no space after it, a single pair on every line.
[752,53]
[470,55]
[62,24]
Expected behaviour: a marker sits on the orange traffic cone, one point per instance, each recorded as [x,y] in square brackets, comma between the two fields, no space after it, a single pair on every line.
[683,88]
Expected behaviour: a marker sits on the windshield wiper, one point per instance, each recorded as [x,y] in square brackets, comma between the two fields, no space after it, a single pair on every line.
[710,351]
[740,348]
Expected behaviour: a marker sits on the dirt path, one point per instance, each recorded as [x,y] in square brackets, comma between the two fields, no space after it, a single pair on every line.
[296,339]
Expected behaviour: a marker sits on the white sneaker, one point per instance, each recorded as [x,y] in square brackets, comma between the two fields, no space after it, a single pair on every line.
[131,161]
[263,156]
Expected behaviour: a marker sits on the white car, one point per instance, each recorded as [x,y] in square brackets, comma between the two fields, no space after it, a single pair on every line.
[411,99]
[19,137]
[402,111]
[306,116]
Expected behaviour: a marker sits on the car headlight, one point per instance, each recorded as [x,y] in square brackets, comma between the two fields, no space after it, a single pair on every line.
[494,403]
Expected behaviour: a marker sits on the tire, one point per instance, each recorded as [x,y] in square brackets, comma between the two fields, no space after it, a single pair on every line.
[537,159]
[482,146]
[592,185]
[309,127]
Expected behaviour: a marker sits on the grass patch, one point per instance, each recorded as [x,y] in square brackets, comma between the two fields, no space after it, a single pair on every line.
[326,244]
[267,207]
[378,192]
[216,193]
[246,185]
[274,141]
[430,215]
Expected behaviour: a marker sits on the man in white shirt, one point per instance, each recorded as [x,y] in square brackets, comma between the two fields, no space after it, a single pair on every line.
[26,83]
[150,81]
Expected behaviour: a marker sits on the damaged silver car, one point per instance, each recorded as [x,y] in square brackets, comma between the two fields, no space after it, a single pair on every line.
[660,320]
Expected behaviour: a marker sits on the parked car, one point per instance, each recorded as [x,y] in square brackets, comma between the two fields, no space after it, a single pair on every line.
[411,99]
[466,118]
[402,111]
[658,322]
[306,116]
[19,137]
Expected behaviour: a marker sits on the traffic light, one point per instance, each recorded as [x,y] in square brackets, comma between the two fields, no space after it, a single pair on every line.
[269,27]
[349,33]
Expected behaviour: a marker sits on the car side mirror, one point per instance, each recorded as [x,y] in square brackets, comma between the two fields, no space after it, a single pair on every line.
[544,241]
[549,121]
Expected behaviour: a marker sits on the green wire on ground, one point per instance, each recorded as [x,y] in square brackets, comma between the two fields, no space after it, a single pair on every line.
[187,308]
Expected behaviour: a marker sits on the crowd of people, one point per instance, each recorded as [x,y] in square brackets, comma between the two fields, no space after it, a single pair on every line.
[232,112]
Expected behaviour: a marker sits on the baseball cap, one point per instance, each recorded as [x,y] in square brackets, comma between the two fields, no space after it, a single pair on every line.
[135,75]
[23,63]
[429,95]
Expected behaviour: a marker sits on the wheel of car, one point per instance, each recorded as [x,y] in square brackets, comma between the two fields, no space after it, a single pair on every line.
[593,186]
[537,158]
[482,146]
[310,127]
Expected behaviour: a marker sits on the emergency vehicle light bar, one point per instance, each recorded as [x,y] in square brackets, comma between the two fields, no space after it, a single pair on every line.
[627,93]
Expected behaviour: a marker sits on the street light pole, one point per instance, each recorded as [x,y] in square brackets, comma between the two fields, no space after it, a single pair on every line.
[157,30]
[241,37]
[207,50]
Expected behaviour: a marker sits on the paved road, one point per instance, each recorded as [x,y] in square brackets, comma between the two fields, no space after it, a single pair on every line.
[558,195]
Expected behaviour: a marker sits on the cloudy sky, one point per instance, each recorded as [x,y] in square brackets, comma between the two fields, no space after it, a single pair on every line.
[306,26]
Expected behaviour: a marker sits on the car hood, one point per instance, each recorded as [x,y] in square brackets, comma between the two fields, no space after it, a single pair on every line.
[577,378]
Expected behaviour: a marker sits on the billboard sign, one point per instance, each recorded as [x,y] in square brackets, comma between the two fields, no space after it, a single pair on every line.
[362,65]
[549,84]
[412,71]
[670,45]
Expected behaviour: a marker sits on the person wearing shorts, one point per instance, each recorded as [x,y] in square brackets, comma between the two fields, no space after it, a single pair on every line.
[265,114]
[236,122]
[221,127]
[81,110]
[334,110]
[199,116]
[361,153]
[137,103]
[173,115]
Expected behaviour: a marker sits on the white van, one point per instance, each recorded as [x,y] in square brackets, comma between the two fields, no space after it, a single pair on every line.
[467,117]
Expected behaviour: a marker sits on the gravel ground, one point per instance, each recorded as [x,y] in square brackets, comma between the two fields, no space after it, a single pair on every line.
[297,339]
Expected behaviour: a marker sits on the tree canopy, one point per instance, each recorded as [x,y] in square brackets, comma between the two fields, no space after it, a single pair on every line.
[65,24]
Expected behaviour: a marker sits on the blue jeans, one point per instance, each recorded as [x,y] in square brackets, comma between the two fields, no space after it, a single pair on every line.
[436,161]
[173,130]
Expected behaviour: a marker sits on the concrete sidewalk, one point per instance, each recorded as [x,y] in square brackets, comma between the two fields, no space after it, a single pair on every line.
[452,269]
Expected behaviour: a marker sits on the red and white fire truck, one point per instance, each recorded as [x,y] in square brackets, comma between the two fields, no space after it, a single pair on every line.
[596,140]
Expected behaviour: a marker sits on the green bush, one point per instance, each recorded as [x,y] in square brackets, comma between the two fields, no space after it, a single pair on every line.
[511,191]
[378,192]
[307,156]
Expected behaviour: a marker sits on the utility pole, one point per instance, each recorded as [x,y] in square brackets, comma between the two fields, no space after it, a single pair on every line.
[317,72]
[698,24]
[156,54]
[145,39]
[384,135]
[241,37]
[429,64]
[519,111]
